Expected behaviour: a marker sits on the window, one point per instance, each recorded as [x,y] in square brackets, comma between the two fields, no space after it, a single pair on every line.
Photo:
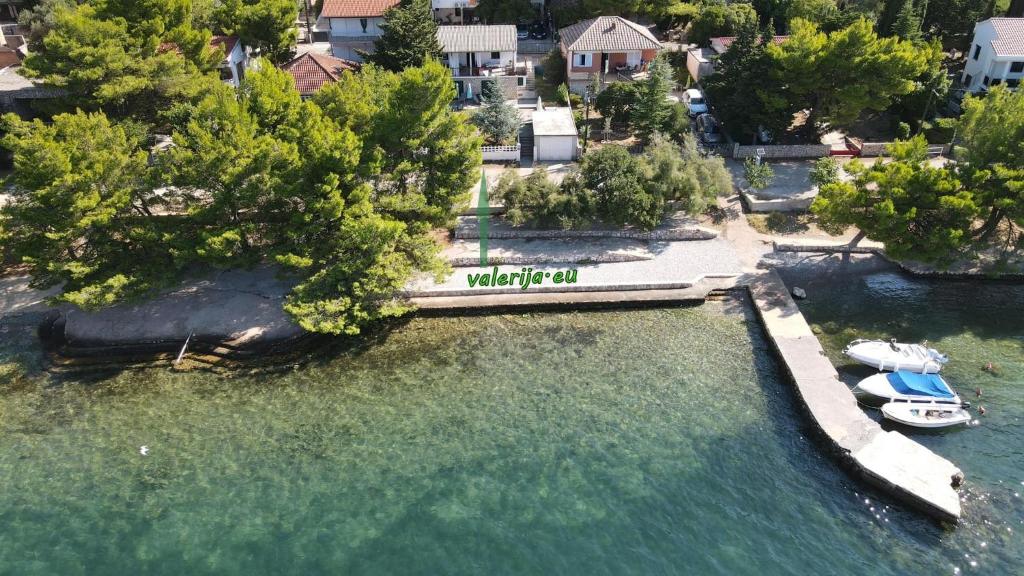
[363,23]
[583,59]
[225,74]
[996,81]
[1016,67]
[495,55]
[967,80]
[977,51]
[1013,82]
[985,81]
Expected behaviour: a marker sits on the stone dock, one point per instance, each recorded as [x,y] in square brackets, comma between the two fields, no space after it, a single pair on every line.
[889,460]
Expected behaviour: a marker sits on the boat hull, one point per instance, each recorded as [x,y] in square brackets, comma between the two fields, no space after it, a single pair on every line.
[926,415]
[893,356]
[876,390]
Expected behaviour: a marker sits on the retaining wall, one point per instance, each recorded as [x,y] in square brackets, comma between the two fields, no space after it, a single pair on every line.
[772,151]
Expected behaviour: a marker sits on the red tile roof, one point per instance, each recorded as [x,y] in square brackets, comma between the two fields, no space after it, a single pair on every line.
[355,8]
[311,71]
[228,42]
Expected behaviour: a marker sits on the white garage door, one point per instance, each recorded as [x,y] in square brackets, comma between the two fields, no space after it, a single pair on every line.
[555,148]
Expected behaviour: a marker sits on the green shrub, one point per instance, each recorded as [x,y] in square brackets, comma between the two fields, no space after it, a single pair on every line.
[615,102]
[617,188]
[903,131]
[940,131]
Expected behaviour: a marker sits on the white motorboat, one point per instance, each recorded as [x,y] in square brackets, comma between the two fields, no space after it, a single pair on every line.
[895,356]
[905,386]
[926,414]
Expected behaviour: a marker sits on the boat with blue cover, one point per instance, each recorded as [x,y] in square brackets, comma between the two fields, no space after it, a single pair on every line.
[902,385]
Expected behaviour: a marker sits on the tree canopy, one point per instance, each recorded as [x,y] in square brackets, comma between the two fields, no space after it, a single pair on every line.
[747,92]
[839,75]
[408,39]
[124,67]
[266,25]
[992,157]
[505,11]
[342,193]
[918,211]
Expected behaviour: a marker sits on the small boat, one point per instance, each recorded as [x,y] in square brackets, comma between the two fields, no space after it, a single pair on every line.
[895,356]
[926,414]
[907,386]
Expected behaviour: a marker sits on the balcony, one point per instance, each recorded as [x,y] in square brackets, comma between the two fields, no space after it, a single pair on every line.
[488,71]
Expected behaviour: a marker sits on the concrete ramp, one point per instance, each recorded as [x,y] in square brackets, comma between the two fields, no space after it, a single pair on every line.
[889,460]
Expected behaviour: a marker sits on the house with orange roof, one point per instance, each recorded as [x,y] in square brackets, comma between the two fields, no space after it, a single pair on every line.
[353,25]
[313,71]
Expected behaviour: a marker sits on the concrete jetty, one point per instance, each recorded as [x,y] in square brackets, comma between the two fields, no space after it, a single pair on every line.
[889,460]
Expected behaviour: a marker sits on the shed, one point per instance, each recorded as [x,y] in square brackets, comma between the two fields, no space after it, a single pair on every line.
[555,138]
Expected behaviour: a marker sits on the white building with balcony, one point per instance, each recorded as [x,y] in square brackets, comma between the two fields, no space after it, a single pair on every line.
[479,53]
[352,26]
[996,55]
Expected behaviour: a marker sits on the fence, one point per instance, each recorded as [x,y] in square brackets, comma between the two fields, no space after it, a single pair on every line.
[501,153]
[535,46]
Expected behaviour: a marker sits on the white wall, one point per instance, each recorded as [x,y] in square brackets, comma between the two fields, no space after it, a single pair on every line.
[987,63]
[353,27]
[555,148]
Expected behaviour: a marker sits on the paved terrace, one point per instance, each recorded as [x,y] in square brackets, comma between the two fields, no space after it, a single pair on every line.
[888,460]
[672,266]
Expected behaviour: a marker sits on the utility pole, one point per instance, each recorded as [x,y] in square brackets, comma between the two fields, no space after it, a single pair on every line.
[586,117]
[309,23]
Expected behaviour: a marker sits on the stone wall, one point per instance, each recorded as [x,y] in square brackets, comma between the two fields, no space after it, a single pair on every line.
[772,151]
[471,233]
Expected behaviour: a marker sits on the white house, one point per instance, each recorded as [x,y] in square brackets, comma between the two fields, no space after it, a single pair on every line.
[478,53]
[236,59]
[555,138]
[453,11]
[353,25]
[996,55]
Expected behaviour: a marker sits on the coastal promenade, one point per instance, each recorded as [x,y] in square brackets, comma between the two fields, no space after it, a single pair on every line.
[889,460]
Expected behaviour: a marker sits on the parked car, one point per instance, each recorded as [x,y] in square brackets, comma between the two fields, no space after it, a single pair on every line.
[523,31]
[695,103]
[538,31]
[707,129]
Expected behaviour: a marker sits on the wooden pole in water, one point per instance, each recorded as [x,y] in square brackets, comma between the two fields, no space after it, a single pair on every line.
[183,348]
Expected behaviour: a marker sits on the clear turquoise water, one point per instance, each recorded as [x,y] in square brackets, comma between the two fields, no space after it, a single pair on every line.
[605,442]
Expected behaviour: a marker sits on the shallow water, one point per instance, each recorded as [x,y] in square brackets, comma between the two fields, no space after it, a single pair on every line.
[605,442]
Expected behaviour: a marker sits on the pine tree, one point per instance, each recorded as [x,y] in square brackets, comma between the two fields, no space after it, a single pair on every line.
[409,37]
[908,24]
[498,120]
[651,110]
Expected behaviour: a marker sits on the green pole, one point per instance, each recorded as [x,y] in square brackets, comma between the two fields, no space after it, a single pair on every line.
[483,212]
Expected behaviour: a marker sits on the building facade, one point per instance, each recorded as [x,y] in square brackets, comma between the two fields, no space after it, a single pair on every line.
[352,26]
[996,55]
[609,48]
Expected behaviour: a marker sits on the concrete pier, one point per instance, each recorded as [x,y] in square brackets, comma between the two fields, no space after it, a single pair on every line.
[889,460]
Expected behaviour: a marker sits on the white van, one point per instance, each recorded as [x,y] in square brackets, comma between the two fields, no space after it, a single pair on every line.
[695,102]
